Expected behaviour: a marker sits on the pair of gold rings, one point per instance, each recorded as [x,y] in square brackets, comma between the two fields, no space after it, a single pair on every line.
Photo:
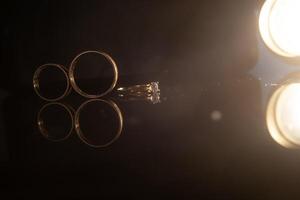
[70,77]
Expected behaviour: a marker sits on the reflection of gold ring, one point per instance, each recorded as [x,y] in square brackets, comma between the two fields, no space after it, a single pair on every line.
[81,134]
[72,77]
[36,82]
[41,124]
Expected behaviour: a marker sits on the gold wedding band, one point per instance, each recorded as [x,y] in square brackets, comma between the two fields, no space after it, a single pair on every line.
[73,81]
[36,81]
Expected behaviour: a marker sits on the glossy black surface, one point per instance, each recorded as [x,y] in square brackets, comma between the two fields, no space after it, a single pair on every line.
[201,52]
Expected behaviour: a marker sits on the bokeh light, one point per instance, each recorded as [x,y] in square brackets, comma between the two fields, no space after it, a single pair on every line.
[279,26]
[283,115]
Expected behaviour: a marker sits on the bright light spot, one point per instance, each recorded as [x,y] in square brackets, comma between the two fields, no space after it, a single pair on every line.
[288,112]
[279,26]
[283,115]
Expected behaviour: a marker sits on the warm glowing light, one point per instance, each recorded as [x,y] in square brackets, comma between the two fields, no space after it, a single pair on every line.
[288,112]
[283,115]
[279,26]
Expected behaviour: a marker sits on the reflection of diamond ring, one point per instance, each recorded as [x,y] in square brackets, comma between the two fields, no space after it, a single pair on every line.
[84,136]
[149,92]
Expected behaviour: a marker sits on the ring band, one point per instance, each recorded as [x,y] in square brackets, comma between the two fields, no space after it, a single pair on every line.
[40,121]
[81,134]
[36,82]
[72,77]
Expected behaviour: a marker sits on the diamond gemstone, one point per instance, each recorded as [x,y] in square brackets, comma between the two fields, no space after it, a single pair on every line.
[155,92]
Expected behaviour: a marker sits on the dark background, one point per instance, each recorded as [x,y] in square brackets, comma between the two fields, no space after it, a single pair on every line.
[200,51]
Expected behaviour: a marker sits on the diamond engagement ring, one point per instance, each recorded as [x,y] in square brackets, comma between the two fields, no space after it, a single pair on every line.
[149,92]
